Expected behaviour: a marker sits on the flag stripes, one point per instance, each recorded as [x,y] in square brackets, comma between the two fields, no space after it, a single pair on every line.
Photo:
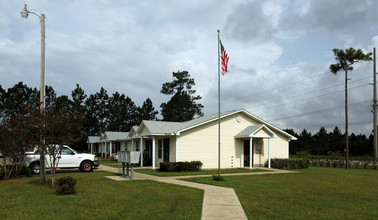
[224,59]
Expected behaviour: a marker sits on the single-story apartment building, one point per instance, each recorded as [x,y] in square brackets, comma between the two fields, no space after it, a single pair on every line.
[246,141]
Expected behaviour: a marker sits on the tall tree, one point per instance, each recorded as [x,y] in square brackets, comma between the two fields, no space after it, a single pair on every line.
[96,107]
[305,141]
[50,96]
[336,140]
[321,140]
[18,96]
[293,145]
[2,101]
[147,111]
[78,98]
[345,60]
[182,106]
[122,113]
[63,103]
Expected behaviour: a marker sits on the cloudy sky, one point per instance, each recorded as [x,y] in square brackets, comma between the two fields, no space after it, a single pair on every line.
[280,52]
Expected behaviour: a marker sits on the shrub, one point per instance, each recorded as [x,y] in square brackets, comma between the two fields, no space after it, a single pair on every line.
[289,163]
[321,163]
[328,163]
[335,163]
[217,178]
[314,162]
[374,165]
[366,164]
[25,171]
[356,165]
[180,166]
[167,167]
[66,185]
[342,164]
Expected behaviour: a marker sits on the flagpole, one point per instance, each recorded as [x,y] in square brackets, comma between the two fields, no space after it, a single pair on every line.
[218,108]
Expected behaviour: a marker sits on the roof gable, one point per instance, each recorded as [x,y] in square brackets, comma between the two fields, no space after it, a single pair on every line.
[260,131]
[133,131]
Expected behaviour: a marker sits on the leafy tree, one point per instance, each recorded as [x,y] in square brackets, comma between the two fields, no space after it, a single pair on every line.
[52,129]
[14,140]
[182,106]
[345,60]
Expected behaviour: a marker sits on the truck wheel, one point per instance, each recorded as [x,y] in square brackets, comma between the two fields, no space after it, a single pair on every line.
[35,168]
[86,166]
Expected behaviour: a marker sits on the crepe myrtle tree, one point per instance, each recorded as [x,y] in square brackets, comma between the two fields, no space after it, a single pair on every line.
[345,60]
[54,128]
[14,140]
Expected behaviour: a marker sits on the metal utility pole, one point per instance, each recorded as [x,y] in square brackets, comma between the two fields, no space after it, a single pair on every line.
[375,104]
[25,14]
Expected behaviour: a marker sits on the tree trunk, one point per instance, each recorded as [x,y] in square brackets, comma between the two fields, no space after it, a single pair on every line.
[42,167]
[346,121]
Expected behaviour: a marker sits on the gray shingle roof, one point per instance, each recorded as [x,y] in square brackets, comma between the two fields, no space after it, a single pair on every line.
[248,131]
[162,127]
[165,127]
[93,139]
[113,135]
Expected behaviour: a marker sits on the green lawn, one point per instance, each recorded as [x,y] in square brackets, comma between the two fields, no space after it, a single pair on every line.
[314,193]
[111,163]
[202,172]
[98,198]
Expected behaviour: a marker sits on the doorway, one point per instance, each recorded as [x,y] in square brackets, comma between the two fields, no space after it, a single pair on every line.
[166,150]
[247,153]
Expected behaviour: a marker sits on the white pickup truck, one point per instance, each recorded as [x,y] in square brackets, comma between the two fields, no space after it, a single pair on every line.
[69,158]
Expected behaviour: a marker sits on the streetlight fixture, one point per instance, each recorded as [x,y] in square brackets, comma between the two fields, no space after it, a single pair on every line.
[24,14]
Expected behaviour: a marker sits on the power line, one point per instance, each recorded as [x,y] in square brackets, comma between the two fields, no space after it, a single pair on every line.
[319,111]
[305,99]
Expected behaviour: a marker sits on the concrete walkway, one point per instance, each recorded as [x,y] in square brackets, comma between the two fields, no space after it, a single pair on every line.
[218,202]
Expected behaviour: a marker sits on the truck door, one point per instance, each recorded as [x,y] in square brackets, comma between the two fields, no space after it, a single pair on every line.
[68,158]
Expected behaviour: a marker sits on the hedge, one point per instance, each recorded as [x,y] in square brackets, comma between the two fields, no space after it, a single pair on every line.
[180,166]
[289,163]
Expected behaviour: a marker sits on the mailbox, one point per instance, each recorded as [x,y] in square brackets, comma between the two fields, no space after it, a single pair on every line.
[129,156]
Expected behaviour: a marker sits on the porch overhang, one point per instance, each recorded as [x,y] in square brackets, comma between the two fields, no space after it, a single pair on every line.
[256,131]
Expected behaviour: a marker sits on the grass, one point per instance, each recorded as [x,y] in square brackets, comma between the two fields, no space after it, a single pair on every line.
[111,163]
[98,198]
[202,172]
[314,193]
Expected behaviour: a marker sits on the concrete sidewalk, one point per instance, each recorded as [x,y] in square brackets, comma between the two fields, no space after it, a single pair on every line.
[218,202]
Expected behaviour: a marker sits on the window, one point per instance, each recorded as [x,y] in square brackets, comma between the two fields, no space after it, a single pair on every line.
[118,146]
[137,146]
[66,151]
[160,149]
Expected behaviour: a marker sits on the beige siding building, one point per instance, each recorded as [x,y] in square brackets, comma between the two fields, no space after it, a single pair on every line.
[246,141]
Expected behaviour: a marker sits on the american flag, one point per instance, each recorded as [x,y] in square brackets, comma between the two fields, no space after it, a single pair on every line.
[224,59]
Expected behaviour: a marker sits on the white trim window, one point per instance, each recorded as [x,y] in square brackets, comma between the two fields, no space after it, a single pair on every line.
[160,148]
